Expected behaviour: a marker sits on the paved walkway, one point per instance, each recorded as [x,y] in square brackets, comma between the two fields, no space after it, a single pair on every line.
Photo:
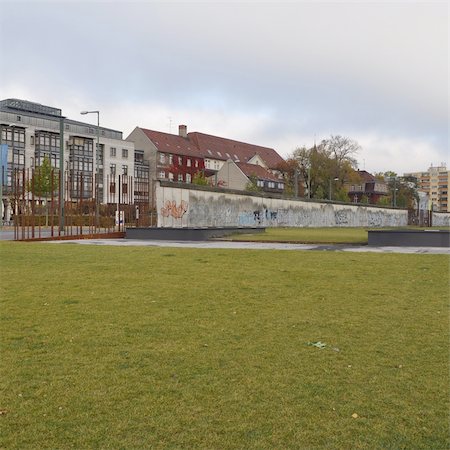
[256,246]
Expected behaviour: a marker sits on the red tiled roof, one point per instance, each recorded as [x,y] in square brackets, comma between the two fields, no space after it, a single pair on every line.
[214,147]
[222,148]
[258,171]
[172,143]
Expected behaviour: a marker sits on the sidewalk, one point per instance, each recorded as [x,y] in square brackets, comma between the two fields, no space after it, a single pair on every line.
[256,246]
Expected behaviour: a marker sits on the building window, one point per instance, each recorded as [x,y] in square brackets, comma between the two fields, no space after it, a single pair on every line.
[280,186]
[112,170]
[170,159]
[180,177]
[170,176]
[124,153]
[112,152]
[260,183]
[18,157]
[180,161]
[188,162]
[162,158]
[196,163]
[125,170]
[188,178]
[138,157]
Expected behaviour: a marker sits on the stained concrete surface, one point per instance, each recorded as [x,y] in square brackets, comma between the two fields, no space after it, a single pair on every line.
[256,246]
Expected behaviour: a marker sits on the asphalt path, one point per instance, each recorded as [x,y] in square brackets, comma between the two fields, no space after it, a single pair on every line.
[8,234]
[220,244]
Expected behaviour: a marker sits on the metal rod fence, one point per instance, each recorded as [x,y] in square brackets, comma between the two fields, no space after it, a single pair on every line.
[35,200]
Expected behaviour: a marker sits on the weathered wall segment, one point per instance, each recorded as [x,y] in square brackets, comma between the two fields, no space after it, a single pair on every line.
[179,207]
[440,219]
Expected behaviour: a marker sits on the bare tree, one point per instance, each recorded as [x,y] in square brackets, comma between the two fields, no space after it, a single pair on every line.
[341,149]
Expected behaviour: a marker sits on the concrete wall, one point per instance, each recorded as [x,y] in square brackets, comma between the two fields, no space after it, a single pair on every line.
[440,219]
[189,207]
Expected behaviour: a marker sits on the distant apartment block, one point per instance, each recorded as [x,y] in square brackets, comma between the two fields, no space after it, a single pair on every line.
[434,182]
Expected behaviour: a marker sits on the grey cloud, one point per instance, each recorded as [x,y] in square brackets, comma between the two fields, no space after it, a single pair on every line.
[317,68]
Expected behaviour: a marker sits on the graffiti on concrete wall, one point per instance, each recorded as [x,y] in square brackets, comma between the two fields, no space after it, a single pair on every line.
[341,217]
[209,209]
[375,219]
[170,208]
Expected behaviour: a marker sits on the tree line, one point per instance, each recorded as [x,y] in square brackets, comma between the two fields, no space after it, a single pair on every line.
[325,171]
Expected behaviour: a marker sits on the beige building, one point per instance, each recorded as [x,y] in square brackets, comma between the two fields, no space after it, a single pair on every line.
[435,183]
[32,132]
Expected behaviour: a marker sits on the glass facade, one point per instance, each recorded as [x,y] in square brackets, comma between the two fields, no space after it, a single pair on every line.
[81,164]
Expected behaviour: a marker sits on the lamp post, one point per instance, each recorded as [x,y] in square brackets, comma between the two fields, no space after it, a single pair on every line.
[61,174]
[309,181]
[395,192]
[334,179]
[96,162]
[1,178]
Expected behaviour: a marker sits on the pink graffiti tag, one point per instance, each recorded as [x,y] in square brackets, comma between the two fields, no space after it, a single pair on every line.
[171,209]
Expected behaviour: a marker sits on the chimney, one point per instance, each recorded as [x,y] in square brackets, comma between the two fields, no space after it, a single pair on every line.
[182,130]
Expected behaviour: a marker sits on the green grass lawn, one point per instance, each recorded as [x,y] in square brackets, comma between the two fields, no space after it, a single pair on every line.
[328,235]
[127,348]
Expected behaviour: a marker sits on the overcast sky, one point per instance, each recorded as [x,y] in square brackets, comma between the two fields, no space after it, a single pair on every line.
[277,74]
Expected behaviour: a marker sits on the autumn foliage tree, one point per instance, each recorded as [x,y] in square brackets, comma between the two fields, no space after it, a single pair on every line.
[332,161]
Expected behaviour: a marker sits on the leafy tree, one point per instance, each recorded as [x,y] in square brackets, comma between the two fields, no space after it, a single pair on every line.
[332,159]
[291,172]
[364,200]
[44,180]
[402,190]
[252,184]
[199,179]
[341,194]
[43,183]
[385,200]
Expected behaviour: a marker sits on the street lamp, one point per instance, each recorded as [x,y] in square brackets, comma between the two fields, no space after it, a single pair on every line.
[96,160]
[334,179]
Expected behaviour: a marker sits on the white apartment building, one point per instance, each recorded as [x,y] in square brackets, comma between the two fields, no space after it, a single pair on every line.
[33,131]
